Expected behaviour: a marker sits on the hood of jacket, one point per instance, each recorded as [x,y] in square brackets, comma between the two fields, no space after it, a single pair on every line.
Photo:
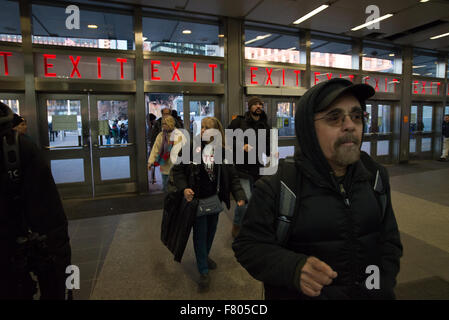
[308,153]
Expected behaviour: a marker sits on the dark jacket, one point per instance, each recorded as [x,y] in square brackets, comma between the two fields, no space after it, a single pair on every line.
[247,122]
[43,213]
[445,129]
[157,128]
[229,180]
[348,238]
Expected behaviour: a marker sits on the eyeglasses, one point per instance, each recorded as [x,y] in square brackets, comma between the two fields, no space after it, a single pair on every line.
[337,116]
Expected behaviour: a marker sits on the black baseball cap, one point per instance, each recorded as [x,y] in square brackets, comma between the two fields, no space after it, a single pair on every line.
[332,89]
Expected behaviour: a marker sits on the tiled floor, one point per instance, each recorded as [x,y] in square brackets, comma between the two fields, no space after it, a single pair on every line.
[122,257]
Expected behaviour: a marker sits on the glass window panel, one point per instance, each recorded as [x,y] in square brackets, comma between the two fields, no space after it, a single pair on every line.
[67,170]
[271,46]
[413,119]
[383,147]
[427,115]
[426,144]
[10,21]
[285,152]
[13,104]
[115,168]
[425,65]
[97,29]
[383,118]
[412,145]
[285,119]
[366,146]
[329,53]
[446,110]
[112,122]
[64,123]
[199,110]
[368,127]
[166,35]
[381,59]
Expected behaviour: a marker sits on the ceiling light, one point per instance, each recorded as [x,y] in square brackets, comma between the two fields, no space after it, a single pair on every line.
[391,54]
[372,22]
[186,31]
[292,48]
[416,67]
[312,13]
[424,1]
[92,26]
[144,38]
[221,35]
[440,36]
[258,38]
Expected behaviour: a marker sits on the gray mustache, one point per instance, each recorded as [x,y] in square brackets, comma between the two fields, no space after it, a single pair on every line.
[346,139]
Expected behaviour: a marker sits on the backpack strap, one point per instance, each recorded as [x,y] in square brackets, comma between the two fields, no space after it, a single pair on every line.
[288,201]
[378,183]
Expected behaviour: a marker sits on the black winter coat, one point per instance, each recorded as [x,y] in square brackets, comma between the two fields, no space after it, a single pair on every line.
[246,122]
[445,130]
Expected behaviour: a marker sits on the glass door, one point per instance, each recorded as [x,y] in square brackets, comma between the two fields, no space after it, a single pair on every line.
[197,108]
[421,130]
[284,110]
[13,100]
[89,143]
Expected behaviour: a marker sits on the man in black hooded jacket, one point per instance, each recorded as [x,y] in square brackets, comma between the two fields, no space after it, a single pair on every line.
[30,204]
[340,231]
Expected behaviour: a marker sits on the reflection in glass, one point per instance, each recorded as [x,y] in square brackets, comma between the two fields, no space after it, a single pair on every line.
[380,59]
[67,170]
[198,110]
[64,123]
[366,146]
[112,122]
[426,144]
[446,110]
[383,147]
[10,21]
[285,119]
[413,119]
[412,145]
[13,104]
[331,54]
[427,113]
[383,118]
[115,168]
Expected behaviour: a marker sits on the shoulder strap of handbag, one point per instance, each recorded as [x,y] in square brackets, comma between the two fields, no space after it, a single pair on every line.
[289,203]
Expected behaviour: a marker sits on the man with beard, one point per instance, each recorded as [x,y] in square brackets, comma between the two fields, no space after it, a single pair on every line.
[254,119]
[340,226]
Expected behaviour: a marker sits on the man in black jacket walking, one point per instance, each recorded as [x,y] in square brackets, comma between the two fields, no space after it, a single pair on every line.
[254,119]
[340,232]
[445,133]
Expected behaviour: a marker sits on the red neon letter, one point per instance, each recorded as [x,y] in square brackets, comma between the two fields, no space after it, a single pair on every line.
[298,72]
[213,66]
[75,66]
[194,72]
[269,71]
[5,60]
[351,77]
[175,71]
[48,65]
[316,74]
[98,67]
[386,85]
[283,77]
[154,69]
[423,87]
[121,60]
[329,76]
[415,87]
[377,84]
[395,81]
[253,75]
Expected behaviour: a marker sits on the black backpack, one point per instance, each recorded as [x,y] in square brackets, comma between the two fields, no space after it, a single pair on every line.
[288,203]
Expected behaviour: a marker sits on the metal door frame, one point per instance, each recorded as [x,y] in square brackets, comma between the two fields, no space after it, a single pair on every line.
[419,135]
[218,112]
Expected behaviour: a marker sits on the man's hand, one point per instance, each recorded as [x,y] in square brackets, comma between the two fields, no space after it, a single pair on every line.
[188,194]
[247,148]
[241,203]
[150,165]
[314,275]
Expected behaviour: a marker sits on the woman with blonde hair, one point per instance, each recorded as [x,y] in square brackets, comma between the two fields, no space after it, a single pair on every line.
[212,184]
[160,153]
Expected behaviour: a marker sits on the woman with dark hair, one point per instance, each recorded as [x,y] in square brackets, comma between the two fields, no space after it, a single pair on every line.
[214,181]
